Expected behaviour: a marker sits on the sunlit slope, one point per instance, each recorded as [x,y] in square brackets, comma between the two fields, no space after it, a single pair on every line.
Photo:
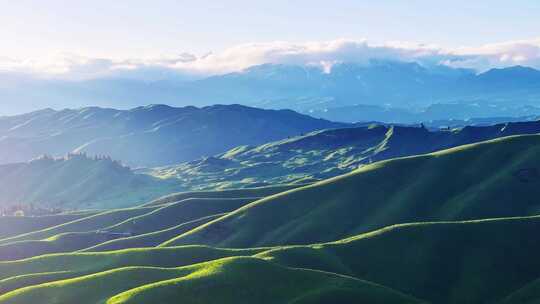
[231,280]
[496,178]
[480,261]
[49,268]
[15,225]
[151,239]
[64,242]
[90,223]
[327,153]
[177,213]
[154,224]
[230,193]
[135,227]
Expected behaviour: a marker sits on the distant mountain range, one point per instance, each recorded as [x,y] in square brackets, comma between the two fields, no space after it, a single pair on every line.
[79,181]
[324,154]
[435,115]
[408,91]
[149,136]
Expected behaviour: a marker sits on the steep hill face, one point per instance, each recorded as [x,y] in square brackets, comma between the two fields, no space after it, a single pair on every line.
[76,182]
[153,135]
[490,179]
[328,153]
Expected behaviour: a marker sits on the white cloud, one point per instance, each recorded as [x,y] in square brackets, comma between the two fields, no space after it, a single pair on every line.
[324,54]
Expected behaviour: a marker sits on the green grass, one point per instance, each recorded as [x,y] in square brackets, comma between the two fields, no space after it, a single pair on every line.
[483,180]
[446,262]
[65,242]
[177,213]
[480,261]
[324,154]
[49,268]
[85,224]
[153,223]
[408,227]
[14,225]
[151,239]
[204,283]
[232,193]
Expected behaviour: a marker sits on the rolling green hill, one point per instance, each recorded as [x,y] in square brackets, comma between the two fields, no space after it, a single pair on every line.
[453,226]
[78,182]
[64,242]
[149,225]
[190,283]
[85,224]
[496,178]
[480,261]
[177,213]
[327,153]
[15,225]
[229,193]
[48,268]
[151,239]
[140,225]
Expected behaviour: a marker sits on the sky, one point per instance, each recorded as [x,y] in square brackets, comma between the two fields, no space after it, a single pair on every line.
[94,37]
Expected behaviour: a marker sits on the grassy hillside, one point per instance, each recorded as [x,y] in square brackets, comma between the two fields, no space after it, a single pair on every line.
[454,226]
[141,226]
[145,226]
[230,193]
[327,153]
[86,224]
[15,225]
[481,261]
[177,213]
[77,182]
[491,179]
[151,239]
[49,268]
[64,242]
[145,284]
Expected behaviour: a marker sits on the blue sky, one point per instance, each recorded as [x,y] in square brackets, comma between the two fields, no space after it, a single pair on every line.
[121,28]
[92,38]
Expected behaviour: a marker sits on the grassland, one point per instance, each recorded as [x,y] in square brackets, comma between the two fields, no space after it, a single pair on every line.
[151,239]
[481,261]
[78,182]
[16,225]
[497,178]
[326,153]
[454,226]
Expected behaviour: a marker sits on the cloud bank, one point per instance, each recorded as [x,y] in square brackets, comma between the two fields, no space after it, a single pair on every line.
[323,54]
